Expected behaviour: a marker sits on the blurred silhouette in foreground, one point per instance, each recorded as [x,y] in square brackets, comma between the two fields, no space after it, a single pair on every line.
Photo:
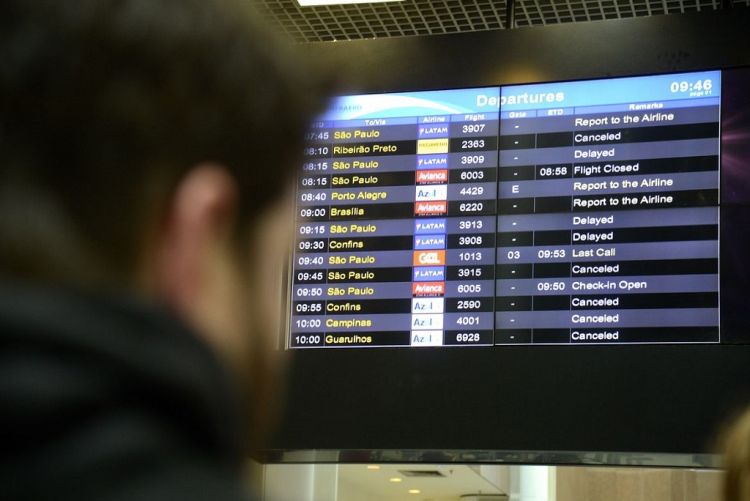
[143,145]
[735,446]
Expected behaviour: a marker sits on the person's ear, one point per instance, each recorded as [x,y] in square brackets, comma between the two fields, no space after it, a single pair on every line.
[198,221]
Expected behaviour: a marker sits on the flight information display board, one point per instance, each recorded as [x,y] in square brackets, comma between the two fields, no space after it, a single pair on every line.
[558,213]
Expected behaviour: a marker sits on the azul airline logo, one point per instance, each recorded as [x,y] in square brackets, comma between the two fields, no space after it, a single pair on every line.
[427,305]
[426,338]
[426,322]
[433,192]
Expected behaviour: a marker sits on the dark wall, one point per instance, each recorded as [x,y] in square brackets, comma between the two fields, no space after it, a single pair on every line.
[667,398]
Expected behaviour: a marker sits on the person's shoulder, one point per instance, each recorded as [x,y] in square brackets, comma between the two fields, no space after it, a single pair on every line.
[105,397]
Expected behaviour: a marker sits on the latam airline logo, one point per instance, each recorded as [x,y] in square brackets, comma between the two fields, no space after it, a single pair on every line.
[432,162]
[428,273]
[429,226]
[429,242]
[433,131]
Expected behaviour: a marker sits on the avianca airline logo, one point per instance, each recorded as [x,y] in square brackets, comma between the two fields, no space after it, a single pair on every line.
[431,208]
[432,176]
[428,288]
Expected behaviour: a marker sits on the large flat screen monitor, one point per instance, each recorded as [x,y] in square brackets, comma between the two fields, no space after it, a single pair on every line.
[558,265]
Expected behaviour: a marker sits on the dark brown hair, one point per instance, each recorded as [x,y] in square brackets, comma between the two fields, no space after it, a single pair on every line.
[104,104]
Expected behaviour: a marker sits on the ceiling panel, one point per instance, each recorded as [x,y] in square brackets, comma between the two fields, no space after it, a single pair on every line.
[431,17]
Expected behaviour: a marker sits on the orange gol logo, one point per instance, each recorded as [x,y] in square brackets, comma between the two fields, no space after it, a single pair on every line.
[429,258]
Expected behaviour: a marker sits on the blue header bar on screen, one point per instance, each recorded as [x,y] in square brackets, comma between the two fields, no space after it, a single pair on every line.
[656,88]
[451,105]
[414,104]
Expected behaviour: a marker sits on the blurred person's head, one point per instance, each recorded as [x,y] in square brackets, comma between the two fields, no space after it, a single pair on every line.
[143,144]
[735,447]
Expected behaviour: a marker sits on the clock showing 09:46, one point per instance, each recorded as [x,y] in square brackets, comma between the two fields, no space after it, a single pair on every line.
[697,88]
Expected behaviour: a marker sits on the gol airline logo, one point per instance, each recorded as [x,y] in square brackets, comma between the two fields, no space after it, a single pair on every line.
[429,258]
[431,208]
[432,176]
[428,288]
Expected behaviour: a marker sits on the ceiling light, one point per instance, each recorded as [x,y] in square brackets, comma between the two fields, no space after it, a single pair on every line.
[373,467]
[414,491]
[312,3]
[395,479]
